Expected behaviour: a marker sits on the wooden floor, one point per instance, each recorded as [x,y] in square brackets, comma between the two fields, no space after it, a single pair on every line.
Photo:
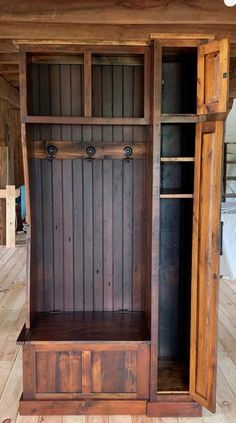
[12,298]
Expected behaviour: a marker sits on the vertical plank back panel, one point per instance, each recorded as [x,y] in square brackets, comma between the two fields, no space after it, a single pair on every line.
[89,250]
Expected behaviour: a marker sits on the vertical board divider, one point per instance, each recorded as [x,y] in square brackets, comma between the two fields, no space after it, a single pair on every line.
[147,87]
[23,84]
[87,84]
[155,213]
[24,112]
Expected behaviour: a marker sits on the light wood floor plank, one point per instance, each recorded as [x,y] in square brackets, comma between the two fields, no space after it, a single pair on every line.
[228,370]
[226,399]
[27,419]
[74,419]
[12,392]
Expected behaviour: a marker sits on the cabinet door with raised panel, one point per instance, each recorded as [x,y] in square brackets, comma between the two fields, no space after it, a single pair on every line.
[213,77]
[205,261]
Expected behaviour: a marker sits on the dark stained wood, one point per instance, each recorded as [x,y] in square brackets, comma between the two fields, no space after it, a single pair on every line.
[83,407]
[88,234]
[100,257]
[88,326]
[69,373]
[87,84]
[29,372]
[172,376]
[78,236]
[45,363]
[173,408]
[112,370]
[74,149]
[97,234]
[155,213]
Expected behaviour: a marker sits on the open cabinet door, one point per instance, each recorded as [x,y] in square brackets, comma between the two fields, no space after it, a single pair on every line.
[213,77]
[205,261]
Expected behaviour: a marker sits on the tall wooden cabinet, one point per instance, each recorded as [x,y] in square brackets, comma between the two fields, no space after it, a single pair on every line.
[122,157]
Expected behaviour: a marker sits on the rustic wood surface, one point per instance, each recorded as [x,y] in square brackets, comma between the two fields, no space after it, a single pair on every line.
[12,317]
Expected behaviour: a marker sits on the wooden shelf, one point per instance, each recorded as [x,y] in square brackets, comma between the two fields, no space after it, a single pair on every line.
[172,376]
[87,326]
[81,120]
[177,159]
[174,193]
[179,118]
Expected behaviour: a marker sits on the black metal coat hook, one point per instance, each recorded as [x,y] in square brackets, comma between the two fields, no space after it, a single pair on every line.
[90,151]
[128,151]
[52,151]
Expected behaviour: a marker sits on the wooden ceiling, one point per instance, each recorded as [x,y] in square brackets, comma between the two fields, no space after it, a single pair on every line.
[110,20]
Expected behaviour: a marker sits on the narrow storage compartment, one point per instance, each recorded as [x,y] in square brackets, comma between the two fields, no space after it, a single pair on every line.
[56,85]
[174,294]
[179,80]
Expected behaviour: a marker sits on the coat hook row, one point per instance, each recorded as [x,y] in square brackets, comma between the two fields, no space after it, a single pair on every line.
[90,151]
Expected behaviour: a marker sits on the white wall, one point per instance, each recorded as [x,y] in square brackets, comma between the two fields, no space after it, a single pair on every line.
[230,136]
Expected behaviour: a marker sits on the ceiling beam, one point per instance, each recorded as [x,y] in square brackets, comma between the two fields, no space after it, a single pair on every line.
[115,12]
[111,33]
[9,93]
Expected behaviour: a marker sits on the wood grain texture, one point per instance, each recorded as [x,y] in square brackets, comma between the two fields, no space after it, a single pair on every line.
[110,12]
[213,77]
[205,263]
[69,206]
[74,407]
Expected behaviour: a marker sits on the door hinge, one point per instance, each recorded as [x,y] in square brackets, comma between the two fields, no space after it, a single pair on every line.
[221,238]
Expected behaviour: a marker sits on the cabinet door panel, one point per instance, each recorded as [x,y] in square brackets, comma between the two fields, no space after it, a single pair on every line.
[205,260]
[114,371]
[59,372]
[65,371]
[213,77]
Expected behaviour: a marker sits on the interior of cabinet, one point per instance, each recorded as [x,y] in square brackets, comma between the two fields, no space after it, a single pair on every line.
[177,150]
[90,270]
[89,232]
[179,80]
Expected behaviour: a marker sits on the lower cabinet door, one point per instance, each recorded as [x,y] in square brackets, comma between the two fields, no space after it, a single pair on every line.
[80,371]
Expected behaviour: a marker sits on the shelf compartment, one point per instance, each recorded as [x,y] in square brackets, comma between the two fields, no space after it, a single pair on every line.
[117,86]
[176,221]
[177,140]
[172,376]
[52,85]
[177,177]
[179,80]
[97,326]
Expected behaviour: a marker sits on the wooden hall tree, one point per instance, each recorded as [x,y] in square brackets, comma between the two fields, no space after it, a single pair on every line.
[122,159]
